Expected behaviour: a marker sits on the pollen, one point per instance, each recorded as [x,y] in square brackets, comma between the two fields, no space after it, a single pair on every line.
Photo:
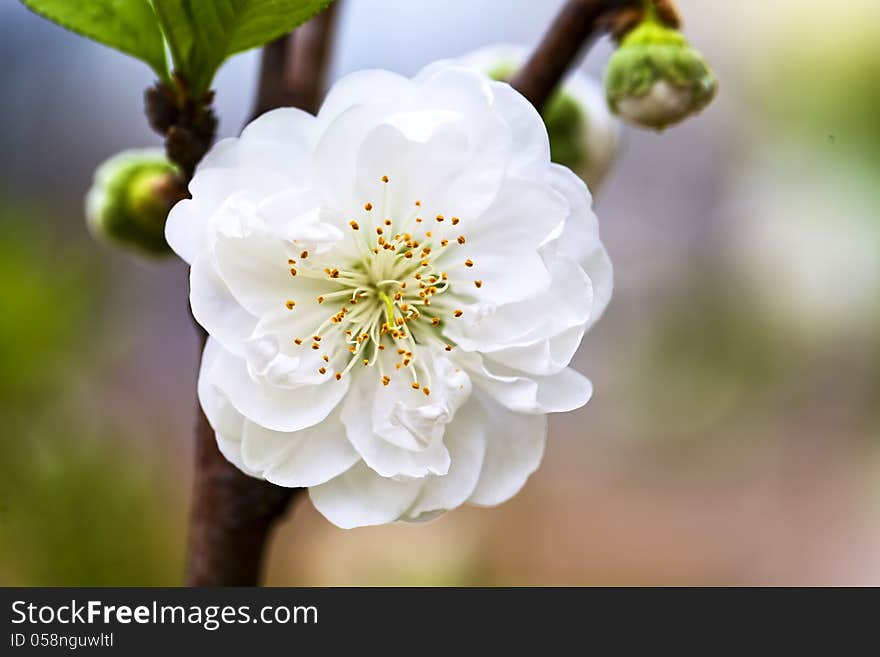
[290,304]
[304,255]
[368,206]
[460,239]
[384,179]
[415,385]
[385,380]
[297,341]
[322,370]
[293,271]
[468,263]
[427,391]
[455,221]
[439,218]
[479,284]
[457,313]
[354,225]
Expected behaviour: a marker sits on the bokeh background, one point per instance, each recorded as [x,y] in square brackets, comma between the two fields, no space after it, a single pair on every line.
[734,437]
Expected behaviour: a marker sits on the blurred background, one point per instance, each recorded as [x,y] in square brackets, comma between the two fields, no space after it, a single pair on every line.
[734,437]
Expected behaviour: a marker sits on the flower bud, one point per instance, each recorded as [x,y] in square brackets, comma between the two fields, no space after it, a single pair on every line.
[129,200]
[583,134]
[655,79]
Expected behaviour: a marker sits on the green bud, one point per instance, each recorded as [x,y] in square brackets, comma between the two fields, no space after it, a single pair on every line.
[655,79]
[129,200]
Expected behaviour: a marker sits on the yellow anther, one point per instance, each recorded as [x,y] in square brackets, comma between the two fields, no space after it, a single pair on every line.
[478,283]
[290,304]
[468,263]
[457,313]
[354,225]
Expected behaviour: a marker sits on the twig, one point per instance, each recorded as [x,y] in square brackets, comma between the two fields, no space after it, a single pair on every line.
[233,514]
[293,69]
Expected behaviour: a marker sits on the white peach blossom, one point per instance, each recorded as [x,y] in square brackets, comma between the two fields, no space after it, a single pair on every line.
[393,291]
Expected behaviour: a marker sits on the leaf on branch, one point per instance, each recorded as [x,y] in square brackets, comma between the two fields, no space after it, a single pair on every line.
[126,25]
[201,34]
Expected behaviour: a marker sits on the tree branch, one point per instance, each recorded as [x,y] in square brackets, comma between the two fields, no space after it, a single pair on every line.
[233,514]
[577,25]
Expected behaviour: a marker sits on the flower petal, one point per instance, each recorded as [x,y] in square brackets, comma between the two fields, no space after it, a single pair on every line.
[563,391]
[360,497]
[215,309]
[387,458]
[274,407]
[227,423]
[301,458]
[514,449]
[466,440]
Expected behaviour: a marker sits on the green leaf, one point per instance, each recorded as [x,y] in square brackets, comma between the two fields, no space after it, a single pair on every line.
[126,25]
[201,34]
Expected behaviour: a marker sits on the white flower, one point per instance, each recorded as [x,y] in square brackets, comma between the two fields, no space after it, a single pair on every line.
[583,133]
[393,291]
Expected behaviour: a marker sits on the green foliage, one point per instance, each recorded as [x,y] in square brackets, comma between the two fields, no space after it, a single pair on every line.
[200,34]
[126,25]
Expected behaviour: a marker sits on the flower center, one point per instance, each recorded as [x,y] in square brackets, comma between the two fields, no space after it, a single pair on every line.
[390,298]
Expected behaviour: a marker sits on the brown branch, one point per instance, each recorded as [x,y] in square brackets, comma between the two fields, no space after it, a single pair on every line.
[293,68]
[233,514]
[577,25]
